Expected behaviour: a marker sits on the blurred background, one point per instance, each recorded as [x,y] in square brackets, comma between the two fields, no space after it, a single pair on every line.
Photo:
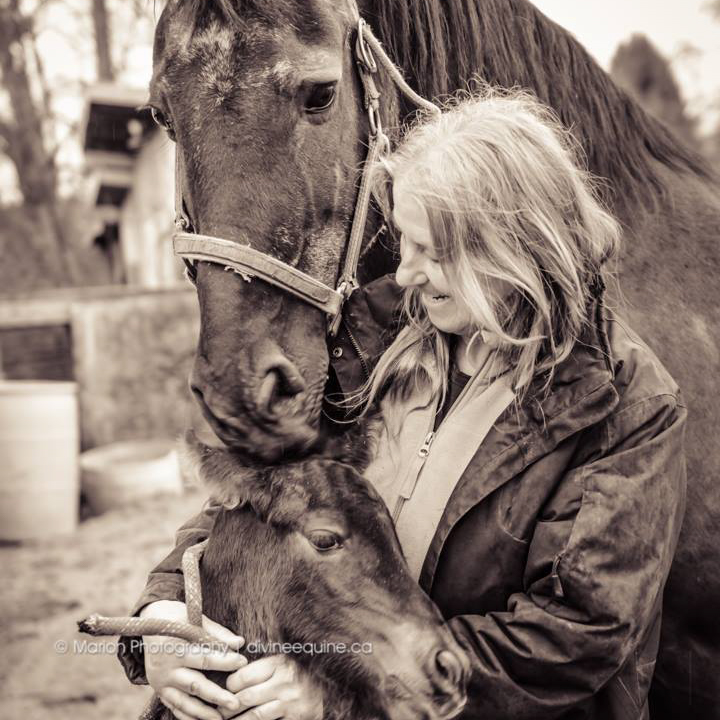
[97,327]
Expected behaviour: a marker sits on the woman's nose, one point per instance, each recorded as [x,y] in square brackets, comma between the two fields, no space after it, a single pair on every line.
[409,272]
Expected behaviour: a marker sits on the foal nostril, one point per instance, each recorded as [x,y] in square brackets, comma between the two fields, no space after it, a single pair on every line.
[448,667]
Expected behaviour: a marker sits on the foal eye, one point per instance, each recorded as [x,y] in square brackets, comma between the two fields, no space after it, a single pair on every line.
[320,98]
[324,540]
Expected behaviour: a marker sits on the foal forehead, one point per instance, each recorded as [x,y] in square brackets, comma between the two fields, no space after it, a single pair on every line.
[328,484]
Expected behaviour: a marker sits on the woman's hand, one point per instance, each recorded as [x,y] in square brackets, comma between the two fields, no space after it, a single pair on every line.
[275,687]
[173,667]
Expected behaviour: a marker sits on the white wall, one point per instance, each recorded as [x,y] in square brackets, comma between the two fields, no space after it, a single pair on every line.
[146,219]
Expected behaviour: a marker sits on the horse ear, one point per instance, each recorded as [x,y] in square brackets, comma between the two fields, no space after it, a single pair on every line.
[228,480]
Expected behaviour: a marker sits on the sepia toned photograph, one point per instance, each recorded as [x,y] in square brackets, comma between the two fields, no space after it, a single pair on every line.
[359,360]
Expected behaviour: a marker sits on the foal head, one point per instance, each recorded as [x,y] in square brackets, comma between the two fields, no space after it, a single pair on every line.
[312,551]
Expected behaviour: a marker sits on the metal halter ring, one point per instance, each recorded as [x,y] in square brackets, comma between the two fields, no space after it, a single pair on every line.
[363,52]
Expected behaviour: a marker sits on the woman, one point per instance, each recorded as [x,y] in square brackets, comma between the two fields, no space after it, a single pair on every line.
[531,448]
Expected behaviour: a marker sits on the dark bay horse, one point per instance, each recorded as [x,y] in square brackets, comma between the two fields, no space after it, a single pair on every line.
[264,100]
[305,555]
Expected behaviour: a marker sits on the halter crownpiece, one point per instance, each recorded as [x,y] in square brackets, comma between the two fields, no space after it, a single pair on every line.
[248,262]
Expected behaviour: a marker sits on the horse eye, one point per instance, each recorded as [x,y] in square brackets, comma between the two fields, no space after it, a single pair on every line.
[162,120]
[323,540]
[320,98]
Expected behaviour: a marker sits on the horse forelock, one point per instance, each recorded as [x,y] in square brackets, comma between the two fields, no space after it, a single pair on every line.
[442,44]
[305,17]
[282,494]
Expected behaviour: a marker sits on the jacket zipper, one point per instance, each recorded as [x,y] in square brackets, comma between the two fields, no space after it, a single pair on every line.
[356,347]
[424,450]
[422,453]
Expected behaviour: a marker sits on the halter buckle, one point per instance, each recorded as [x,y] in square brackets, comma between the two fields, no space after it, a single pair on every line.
[345,287]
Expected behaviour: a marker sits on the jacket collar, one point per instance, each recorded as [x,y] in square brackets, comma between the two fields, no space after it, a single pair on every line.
[581,394]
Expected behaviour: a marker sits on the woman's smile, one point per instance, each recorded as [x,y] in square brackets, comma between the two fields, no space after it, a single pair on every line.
[431,299]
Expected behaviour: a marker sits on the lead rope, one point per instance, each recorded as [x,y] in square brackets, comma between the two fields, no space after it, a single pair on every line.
[367,49]
[394,71]
[191,631]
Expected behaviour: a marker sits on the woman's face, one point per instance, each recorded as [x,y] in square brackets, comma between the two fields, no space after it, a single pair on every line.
[419,266]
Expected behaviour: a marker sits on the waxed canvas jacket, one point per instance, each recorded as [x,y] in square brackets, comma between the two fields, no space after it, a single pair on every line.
[550,559]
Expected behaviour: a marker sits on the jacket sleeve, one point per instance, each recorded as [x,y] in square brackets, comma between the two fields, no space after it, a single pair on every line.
[165,582]
[596,568]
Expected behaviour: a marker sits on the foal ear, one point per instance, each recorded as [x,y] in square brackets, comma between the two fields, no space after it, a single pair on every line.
[355,447]
[227,479]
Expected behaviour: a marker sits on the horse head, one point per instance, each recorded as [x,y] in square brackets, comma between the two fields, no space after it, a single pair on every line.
[305,555]
[265,104]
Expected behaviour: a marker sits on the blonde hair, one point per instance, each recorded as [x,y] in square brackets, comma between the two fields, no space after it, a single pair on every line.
[506,199]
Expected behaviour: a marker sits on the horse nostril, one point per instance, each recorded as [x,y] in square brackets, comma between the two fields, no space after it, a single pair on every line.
[449,667]
[281,380]
[267,392]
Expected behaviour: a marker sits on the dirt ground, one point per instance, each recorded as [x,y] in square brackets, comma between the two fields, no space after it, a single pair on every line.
[45,670]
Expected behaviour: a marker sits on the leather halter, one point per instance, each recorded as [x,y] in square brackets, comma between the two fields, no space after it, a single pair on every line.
[249,263]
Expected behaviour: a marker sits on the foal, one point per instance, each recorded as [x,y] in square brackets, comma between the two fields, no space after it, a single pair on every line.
[306,554]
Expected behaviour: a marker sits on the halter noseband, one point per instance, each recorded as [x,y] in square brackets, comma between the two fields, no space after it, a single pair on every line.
[247,262]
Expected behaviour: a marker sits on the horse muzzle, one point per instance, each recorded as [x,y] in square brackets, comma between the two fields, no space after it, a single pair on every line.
[271,428]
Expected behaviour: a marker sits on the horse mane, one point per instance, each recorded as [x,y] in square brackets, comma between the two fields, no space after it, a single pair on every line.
[443,44]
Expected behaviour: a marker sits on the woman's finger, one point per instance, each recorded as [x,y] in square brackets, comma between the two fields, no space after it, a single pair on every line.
[178,701]
[179,714]
[202,658]
[276,688]
[254,673]
[269,711]
[225,636]
[195,684]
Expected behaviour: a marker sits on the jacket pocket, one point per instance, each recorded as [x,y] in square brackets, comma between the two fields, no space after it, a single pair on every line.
[549,540]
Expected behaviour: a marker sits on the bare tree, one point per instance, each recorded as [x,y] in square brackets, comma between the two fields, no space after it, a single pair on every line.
[639,68]
[22,136]
[34,127]
[103,51]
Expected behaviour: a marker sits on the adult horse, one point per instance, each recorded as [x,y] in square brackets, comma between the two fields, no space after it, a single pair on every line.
[265,103]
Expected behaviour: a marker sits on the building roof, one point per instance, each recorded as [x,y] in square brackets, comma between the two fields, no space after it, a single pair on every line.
[115,118]
[116,122]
